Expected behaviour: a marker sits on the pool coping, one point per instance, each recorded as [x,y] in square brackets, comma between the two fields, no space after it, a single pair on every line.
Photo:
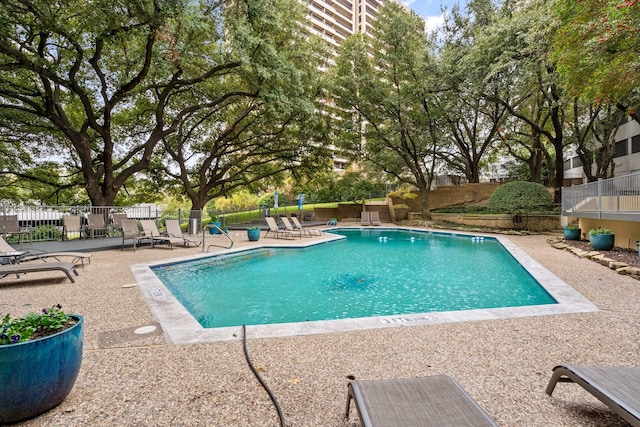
[180,327]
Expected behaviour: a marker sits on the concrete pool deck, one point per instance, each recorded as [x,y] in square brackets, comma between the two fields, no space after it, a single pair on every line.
[504,363]
[180,327]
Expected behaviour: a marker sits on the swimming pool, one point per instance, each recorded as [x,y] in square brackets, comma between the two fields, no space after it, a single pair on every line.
[370,279]
[370,273]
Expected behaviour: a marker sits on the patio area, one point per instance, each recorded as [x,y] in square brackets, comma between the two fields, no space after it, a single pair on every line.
[138,379]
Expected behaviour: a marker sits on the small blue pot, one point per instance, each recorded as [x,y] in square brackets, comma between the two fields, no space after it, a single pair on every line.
[602,242]
[572,233]
[37,375]
[214,230]
[253,234]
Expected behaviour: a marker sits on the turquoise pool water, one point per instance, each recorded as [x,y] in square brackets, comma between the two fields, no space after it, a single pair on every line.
[373,272]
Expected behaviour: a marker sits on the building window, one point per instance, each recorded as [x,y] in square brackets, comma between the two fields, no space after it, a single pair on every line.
[635,144]
[566,165]
[576,162]
[620,148]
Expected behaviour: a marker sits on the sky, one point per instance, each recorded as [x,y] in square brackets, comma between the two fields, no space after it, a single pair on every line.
[431,11]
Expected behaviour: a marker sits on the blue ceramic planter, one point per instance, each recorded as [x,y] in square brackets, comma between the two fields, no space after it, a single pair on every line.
[253,234]
[602,242]
[572,233]
[37,375]
[214,230]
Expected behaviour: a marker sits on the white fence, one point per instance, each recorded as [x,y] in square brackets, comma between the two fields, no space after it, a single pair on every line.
[616,198]
[47,222]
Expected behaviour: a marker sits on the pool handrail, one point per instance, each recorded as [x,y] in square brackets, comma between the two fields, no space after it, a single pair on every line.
[221,232]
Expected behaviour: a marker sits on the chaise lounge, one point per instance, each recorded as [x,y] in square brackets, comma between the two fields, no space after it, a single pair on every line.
[174,230]
[66,267]
[433,401]
[31,254]
[618,388]
[275,230]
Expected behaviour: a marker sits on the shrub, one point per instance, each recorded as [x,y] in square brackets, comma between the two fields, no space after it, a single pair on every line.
[600,231]
[46,232]
[520,197]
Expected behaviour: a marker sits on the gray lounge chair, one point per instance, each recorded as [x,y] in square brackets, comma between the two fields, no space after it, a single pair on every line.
[374,216]
[309,231]
[31,267]
[365,218]
[275,230]
[434,401]
[96,223]
[174,230]
[130,230]
[289,227]
[10,225]
[71,224]
[618,388]
[151,231]
[32,254]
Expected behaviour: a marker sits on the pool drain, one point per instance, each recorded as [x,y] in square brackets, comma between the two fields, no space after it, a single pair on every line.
[350,282]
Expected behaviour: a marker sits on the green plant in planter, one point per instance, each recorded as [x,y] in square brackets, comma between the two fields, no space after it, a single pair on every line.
[34,325]
[571,232]
[602,239]
[40,358]
[600,231]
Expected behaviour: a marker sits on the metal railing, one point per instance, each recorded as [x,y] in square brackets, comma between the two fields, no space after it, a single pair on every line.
[615,198]
[47,223]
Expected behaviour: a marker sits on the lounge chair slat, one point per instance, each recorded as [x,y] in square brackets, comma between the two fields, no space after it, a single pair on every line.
[66,267]
[616,387]
[434,401]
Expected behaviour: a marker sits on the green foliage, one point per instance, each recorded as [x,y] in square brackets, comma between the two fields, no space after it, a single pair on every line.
[46,232]
[33,325]
[600,231]
[597,48]
[472,209]
[354,187]
[520,197]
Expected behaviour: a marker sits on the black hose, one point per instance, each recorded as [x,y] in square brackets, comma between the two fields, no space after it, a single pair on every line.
[255,372]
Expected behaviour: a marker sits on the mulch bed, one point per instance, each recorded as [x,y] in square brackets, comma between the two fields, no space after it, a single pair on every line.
[628,256]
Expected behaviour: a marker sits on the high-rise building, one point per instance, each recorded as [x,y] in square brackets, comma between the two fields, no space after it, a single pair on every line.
[335,20]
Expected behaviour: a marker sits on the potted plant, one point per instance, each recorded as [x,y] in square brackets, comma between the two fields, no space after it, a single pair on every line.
[40,357]
[571,232]
[602,239]
[214,222]
[253,233]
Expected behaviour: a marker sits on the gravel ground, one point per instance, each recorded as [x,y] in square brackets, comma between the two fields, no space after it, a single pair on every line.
[140,380]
